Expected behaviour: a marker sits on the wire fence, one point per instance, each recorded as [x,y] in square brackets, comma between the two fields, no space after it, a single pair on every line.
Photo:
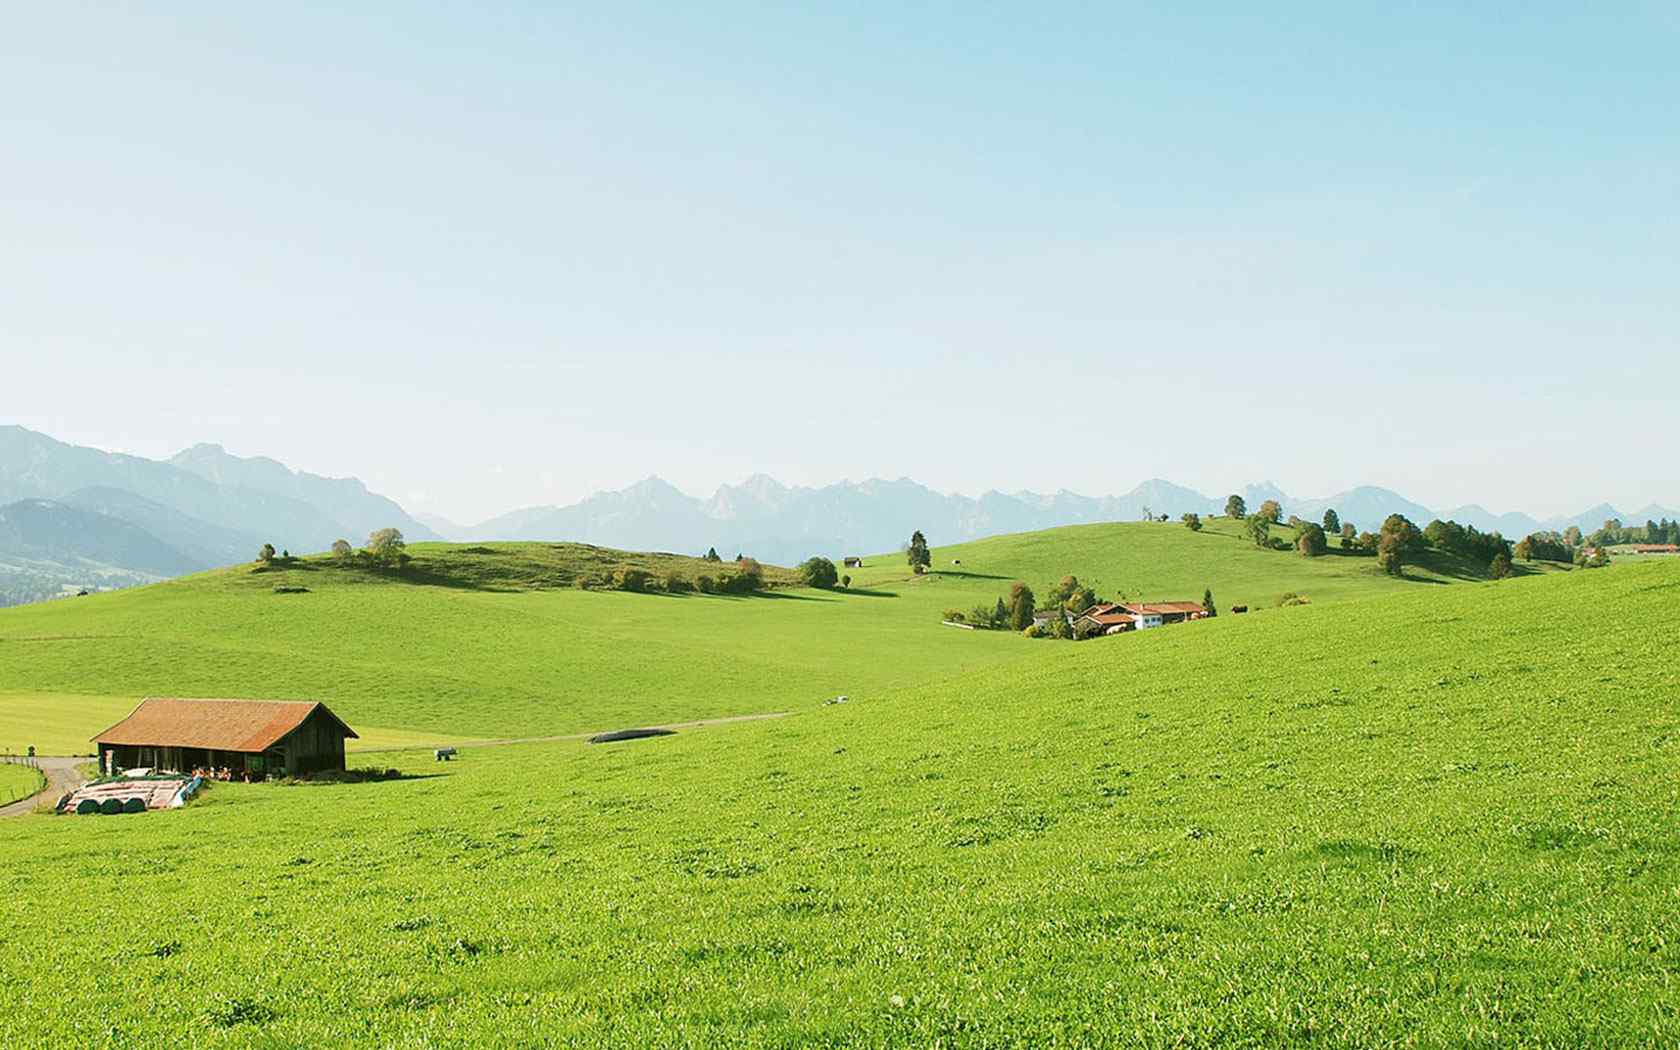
[14,788]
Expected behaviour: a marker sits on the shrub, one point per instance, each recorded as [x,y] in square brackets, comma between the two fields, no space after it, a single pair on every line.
[675,584]
[266,555]
[630,578]
[342,550]
[954,616]
[749,574]
[1193,522]
[845,581]
[705,584]
[1291,598]
[1031,631]
[819,572]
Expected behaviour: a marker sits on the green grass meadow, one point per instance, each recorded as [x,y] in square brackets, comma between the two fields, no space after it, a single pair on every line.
[493,641]
[1443,816]
[18,781]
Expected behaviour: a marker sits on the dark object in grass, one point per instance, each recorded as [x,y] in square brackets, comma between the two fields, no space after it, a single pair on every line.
[134,805]
[111,807]
[279,589]
[86,806]
[629,734]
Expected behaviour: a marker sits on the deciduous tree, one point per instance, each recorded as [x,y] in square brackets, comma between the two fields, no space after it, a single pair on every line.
[1020,607]
[819,572]
[386,545]
[1311,542]
[1235,508]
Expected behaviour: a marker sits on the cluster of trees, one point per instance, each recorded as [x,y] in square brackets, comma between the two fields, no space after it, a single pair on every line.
[1011,613]
[1546,546]
[747,576]
[1466,541]
[384,547]
[1614,532]
[1399,542]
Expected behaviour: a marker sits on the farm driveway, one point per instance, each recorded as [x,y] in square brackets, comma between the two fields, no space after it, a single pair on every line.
[63,774]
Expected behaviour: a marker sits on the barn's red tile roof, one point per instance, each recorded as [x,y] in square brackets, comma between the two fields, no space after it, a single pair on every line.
[219,725]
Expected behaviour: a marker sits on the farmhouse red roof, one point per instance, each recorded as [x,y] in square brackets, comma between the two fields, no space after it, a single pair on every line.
[219,725]
[1166,607]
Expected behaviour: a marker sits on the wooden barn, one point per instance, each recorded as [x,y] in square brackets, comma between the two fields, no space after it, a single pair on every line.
[259,737]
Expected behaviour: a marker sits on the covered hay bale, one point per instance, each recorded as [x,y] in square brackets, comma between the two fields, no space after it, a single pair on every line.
[111,807]
[134,805]
[86,806]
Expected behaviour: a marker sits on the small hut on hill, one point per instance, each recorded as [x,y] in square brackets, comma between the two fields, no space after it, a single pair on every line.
[260,737]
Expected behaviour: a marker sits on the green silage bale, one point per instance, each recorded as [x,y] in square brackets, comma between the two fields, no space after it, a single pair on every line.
[134,805]
[111,807]
[86,806]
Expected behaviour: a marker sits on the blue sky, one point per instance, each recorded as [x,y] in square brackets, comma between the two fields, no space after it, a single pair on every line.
[499,257]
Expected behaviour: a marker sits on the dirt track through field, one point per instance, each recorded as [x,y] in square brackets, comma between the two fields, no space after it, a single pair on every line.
[701,724]
[63,774]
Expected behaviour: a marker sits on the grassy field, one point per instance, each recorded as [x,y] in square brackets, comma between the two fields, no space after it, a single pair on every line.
[494,641]
[18,781]
[1443,817]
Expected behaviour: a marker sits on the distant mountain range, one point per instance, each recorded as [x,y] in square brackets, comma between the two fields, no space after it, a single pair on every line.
[73,517]
[778,523]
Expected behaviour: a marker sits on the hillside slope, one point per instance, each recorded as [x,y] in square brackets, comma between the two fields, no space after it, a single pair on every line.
[494,641]
[1442,817]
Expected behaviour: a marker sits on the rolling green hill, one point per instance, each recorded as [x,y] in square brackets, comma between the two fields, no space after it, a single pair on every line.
[1441,817]
[496,641]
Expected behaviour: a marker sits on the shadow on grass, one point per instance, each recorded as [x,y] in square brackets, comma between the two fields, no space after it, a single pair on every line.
[864,592]
[968,575]
[366,776]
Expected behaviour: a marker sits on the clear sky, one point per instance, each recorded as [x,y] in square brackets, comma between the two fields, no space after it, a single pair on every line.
[491,256]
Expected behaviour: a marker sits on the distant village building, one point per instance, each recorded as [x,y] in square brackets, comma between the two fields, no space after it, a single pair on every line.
[1112,618]
[259,737]
[853,563]
[1656,548]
